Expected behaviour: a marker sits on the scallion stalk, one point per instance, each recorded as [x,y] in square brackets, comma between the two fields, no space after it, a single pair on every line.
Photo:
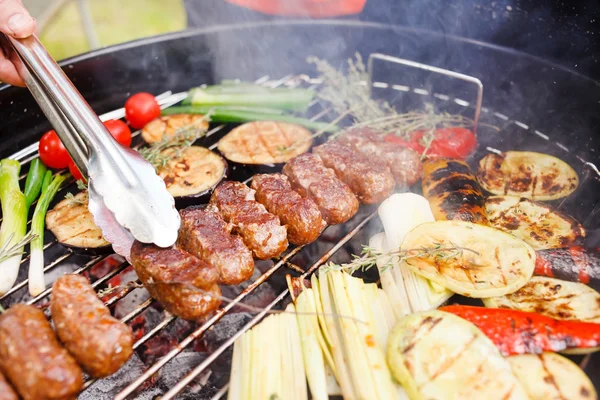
[37,283]
[236,114]
[252,95]
[14,225]
[33,183]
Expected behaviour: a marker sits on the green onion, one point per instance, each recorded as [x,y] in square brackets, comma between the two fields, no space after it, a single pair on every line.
[36,262]
[14,225]
[33,183]
[47,180]
[251,95]
[219,114]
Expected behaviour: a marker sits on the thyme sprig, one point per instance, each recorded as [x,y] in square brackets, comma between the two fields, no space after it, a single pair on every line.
[369,256]
[7,252]
[157,153]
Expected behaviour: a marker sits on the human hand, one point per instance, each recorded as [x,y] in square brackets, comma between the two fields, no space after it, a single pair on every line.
[16,22]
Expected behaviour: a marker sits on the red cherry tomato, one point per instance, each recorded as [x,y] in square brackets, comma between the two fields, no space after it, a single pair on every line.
[453,142]
[75,172]
[52,152]
[119,130]
[140,109]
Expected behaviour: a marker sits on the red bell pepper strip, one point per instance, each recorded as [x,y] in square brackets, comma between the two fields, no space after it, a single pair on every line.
[574,264]
[517,332]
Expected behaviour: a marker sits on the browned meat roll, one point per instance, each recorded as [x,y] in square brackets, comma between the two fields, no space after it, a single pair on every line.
[311,178]
[6,390]
[369,179]
[207,236]
[260,230]
[33,360]
[100,343]
[300,215]
[452,191]
[404,163]
[182,283]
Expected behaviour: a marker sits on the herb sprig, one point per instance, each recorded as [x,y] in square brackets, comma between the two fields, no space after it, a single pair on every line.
[7,252]
[369,256]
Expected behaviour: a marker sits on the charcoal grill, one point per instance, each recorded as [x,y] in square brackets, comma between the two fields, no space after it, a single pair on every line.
[529,104]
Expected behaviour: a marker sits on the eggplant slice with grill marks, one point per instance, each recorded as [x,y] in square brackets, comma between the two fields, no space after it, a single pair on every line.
[192,173]
[73,225]
[169,125]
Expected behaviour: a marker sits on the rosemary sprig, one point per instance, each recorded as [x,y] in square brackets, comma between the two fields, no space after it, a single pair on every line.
[7,252]
[157,153]
[73,199]
[369,256]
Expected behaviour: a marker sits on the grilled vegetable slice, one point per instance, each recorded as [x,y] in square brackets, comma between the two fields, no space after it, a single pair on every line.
[192,171]
[436,355]
[552,376]
[538,224]
[73,224]
[452,191]
[527,174]
[553,298]
[469,259]
[265,142]
[519,332]
[169,125]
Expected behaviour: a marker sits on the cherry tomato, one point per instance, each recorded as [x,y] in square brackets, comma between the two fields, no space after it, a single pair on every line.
[75,172]
[119,130]
[453,142]
[140,109]
[52,152]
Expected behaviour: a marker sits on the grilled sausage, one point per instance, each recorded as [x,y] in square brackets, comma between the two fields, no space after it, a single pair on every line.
[404,163]
[182,283]
[452,191]
[311,178]
[6,391]
[300,215]
[100,343]
[574,264]
[207,236]
[369,179]
[33,360]
[260,230]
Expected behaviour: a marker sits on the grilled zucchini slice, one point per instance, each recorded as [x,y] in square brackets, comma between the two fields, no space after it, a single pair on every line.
[549,376]
[437,355]
[538,224]
[193,171]
[265,142]
[73,225]
[554,298]
[169,125]
[527,174]
[469,259]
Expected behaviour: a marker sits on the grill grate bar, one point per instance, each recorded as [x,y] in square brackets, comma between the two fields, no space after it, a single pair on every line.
[209,360]
[130,287]
[221,392]
[139,309]
[46,246]
[151,333]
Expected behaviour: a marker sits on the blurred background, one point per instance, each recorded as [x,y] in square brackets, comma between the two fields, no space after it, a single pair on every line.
[567,32]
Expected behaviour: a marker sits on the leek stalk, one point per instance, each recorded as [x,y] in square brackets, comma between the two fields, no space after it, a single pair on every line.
[14,225]
[235,114]
[37,283]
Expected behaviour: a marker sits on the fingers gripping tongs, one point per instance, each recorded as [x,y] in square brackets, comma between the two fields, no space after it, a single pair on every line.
[126,197]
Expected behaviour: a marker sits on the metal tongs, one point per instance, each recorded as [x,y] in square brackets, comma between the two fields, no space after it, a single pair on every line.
[126,197]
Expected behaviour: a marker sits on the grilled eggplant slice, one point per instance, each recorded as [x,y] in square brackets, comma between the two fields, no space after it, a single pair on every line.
[169,125]
[538,224]
[73,225]
[437,355]
[554,298]
[552,376]
[527,174]
[265,142]
[192,172]
[469,259]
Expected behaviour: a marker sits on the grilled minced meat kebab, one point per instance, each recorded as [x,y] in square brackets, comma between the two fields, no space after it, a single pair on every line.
[260,230]
[6,391]
[100,343]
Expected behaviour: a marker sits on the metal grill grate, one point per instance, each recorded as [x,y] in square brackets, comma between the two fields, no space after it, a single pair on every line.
[319,111]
